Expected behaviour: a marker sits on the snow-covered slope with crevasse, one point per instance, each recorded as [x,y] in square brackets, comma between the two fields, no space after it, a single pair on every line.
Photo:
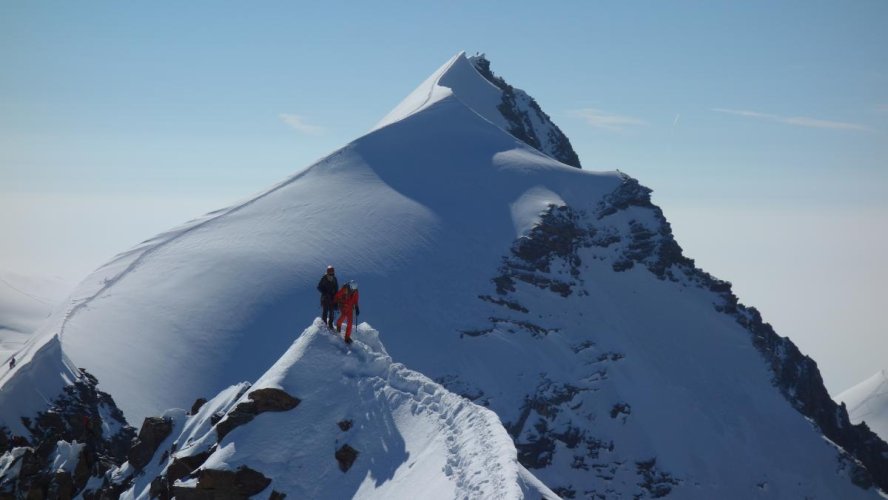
[412,437]
[554,296]
[868,402]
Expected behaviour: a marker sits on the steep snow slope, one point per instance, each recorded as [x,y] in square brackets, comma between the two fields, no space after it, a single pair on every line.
[411,437]
[42,372]
[868,402]
[419,212]
[554,296]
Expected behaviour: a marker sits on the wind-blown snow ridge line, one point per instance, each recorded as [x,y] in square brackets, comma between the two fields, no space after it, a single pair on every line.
[427,98]
[432,83]
[32,373]
[109,282]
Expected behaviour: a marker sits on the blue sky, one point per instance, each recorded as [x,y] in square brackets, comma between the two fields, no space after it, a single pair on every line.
[762,126]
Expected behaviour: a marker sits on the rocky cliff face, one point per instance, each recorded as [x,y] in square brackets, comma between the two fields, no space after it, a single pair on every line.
[168,457]
[794,374]
[527,121]
[550,427]
[78,438]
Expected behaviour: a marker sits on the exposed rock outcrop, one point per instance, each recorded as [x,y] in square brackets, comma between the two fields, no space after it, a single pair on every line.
[82,434]
[153,432]
[346,456]
[198,404]
[182,470]
[261,401]
[224,484]
[794,374]
[631,231]
[527,121]
[271,399]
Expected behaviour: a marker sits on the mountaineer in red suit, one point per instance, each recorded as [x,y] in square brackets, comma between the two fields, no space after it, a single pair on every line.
[347,299]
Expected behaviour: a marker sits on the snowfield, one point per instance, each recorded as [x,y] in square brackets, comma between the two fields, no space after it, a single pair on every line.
[553,296]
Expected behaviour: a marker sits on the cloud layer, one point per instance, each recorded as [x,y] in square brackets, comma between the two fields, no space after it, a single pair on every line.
[299,124]
[799,121]
[607,121]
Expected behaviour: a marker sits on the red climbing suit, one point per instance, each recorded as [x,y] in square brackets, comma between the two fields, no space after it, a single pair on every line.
[347,300]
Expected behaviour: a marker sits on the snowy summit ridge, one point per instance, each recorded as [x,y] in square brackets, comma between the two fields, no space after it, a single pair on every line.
[553,296]
[472,82]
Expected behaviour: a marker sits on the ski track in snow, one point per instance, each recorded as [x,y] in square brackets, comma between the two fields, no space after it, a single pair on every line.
[430,397]
[455,417]
[78,304]
[107,283]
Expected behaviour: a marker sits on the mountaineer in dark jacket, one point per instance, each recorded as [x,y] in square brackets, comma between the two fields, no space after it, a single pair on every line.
[328,286]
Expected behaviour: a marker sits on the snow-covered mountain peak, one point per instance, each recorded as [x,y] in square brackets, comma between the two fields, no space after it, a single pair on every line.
[526,119]
[472,83]
[554,296]
[455,77]
[440,192]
